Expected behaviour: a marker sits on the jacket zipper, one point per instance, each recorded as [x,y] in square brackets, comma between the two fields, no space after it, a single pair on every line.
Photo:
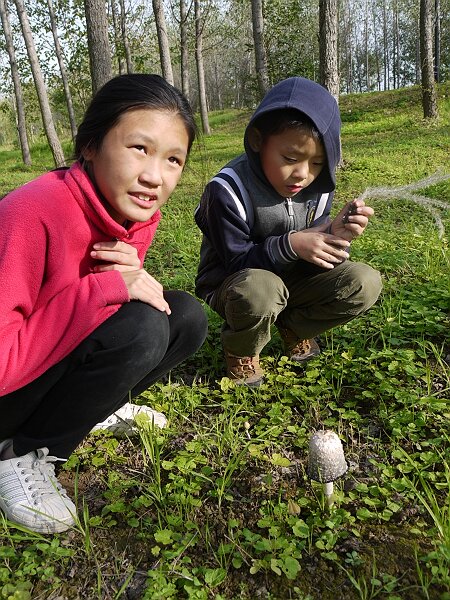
[290,211]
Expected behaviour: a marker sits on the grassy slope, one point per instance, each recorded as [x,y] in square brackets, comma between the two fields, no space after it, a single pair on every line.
[210,509]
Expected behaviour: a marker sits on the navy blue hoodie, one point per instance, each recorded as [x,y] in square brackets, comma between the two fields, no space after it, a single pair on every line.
[245,222]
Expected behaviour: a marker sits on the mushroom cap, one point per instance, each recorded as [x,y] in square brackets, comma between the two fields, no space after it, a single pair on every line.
[326,457]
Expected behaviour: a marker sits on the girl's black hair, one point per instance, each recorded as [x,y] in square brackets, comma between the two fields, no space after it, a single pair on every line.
[125,93]
[276,121]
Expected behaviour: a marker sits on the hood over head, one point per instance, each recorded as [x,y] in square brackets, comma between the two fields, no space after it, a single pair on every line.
[320,106]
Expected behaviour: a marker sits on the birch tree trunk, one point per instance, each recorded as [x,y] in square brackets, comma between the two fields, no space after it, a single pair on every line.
[387,74]
[123,30]
[184,49]
[20,111]
[429,98]
[437,41]
[62,68]
[328,55]
[47,118]
[262,74]
[200,68]
[117,37]
[395,46]
[98,43]
[163,41]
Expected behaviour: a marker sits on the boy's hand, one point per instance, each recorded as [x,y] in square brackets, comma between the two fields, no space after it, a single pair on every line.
[351,221]
[120,256]
[322,249]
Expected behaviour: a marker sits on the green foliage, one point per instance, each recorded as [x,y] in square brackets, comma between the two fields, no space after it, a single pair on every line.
[218,504]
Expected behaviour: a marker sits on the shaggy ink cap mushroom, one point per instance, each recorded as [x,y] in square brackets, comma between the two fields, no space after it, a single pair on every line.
[326,457]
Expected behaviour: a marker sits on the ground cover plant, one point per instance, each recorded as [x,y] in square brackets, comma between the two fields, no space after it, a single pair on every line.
[219,505]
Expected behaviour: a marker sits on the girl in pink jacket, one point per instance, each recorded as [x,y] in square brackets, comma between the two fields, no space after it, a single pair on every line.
[83,326]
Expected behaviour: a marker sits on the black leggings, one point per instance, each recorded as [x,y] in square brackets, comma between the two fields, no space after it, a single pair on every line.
[127,353]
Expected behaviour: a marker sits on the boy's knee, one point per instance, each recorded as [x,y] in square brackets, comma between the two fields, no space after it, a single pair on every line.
[257,292]
[367,283]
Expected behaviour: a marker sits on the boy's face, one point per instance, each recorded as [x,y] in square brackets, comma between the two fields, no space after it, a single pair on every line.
[291,160]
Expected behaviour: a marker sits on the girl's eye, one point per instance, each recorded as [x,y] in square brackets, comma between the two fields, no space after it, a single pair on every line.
[289,159]
[140,148]
[175,160]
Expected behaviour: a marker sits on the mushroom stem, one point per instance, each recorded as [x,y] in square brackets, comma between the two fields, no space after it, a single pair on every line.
[328,491]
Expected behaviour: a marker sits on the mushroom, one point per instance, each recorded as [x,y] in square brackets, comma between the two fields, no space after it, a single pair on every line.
[326,461]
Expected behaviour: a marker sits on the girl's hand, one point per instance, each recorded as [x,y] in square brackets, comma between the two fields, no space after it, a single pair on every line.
[120,256]
[142,286]
[321,249]
[351,221]
[124,258]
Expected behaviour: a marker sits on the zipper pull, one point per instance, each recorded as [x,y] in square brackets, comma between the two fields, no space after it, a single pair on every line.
[290,211]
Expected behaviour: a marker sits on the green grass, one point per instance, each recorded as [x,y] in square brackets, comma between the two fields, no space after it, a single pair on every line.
[219,504]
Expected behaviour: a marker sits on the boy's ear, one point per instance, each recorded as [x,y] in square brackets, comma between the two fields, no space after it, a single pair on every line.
[254,138]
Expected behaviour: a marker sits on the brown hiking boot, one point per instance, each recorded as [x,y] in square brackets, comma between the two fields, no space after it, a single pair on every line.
[244,370]
[298,350]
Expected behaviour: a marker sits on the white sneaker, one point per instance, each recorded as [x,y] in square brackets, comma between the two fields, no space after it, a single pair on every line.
[30,494]
[123,421]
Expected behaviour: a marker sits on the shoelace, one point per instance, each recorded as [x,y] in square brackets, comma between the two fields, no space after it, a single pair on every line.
[302,347]
[246,365]
[40,476]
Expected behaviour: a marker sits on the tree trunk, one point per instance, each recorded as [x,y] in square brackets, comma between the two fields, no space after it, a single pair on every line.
[262,75]
[417,56]
[184,49]
[20,111]
[98,43]
[437,41]
[200,69]
[395,45]
[123,30]
[47,118]
[328,69]
[65,82]
[366,44]
[117,37]
[429,99]
[375,25]
[163,41]
[387,74]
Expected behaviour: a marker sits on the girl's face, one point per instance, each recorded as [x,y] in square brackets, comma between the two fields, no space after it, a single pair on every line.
[139,163]
[291,160]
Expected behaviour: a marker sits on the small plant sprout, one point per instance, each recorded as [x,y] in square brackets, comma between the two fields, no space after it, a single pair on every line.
[326,461]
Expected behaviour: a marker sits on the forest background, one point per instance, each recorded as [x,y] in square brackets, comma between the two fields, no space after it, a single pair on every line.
[222,54]
[219,504]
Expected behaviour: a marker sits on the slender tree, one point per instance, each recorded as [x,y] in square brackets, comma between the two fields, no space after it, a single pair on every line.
[429,97]
[328,46]
[387,74]
[117,37]
[47,117]
[163,41]
[437,41]
[62,68]
[199,24]
[262,73]
[184,50]
[98,43]
[123,30]
[20,111]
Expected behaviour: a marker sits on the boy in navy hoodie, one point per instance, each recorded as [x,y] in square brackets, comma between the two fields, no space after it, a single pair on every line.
[270,252]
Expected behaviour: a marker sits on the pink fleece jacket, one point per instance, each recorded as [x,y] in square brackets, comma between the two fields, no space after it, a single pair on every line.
[50,298]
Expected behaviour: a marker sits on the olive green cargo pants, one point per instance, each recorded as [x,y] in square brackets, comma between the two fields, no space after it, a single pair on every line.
[305,299]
